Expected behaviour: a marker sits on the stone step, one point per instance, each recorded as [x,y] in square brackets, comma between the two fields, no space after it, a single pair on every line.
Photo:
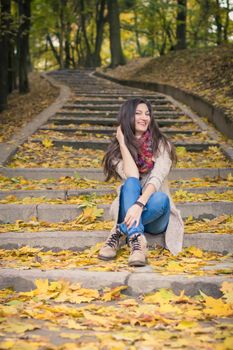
[55,193]
[9,213]
[97,174]
[80,240]
[103,144]
[119,95]
[114,101]
[112,107]
[108,121]
[64,194]
[142,280]
[103,114]
[111,130]
[68,129]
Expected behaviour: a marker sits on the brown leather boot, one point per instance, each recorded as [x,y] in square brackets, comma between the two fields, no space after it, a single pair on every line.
[138,245]
[111,245]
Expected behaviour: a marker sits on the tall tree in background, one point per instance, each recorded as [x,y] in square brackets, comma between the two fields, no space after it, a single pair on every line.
[23,44]
[181,24]
[100,21]
[5,6]
[92,42]
[117,56]
[227,21]
[62,31]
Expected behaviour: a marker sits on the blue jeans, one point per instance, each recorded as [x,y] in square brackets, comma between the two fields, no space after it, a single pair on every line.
[155,215]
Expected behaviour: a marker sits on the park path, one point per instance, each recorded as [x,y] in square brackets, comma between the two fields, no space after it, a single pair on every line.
[80,133]
[62,162]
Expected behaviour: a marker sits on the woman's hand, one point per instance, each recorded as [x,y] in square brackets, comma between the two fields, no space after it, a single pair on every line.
[133,215]
[120,135]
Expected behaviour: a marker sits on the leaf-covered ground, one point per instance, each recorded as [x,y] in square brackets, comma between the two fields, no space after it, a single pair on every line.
[82,136]
[179,196]
[77,182]
[64,316]
[23,107]
[206,181]
[83,126]
[46,155]
[62,183]
[189,262]
[206,72]
[88,220]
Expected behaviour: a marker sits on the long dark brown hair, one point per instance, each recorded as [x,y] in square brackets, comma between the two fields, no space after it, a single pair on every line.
[126,119]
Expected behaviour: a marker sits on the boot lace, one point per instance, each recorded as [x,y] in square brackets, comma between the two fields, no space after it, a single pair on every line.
[135,243]
[113,240]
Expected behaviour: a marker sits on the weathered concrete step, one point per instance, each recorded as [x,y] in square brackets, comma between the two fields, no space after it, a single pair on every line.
[65,194]
[68,129]
[55,193]
[112,107]
[108,121]
[97,174]
[119,96]
[103,144]
[114,101]
[138,282]
[9,213]
[78,121]
[111,130]
[103,114]
[80,240]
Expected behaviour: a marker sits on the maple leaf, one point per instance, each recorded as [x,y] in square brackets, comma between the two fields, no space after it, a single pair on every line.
[227,289]
[111,294]
[161,296]
[216,307]
[195,251]
[47,143]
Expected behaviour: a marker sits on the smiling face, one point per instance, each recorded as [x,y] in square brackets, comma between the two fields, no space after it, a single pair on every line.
[142,119]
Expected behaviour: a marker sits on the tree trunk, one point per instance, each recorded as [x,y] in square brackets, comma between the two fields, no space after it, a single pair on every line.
[67,46]
[218,22]
[62,32]
[67,53]
[54,51]
[5,8]
[226,25]
[117,57]
[100,20]
[28,15]
[181,24]
[88,59]
[138,45]
[23,45]
[12,64]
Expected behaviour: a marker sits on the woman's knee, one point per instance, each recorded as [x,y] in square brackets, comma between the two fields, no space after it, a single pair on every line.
[159,199]
[131,184]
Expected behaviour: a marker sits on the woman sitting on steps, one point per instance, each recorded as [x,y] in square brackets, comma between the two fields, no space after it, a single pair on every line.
[142,157]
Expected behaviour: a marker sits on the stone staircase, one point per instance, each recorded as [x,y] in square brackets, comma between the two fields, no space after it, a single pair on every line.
[77,135]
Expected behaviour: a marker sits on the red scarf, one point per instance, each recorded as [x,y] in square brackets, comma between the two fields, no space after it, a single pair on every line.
[144,161]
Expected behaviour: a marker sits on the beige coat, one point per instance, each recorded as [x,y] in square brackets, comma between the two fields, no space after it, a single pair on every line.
[158,177]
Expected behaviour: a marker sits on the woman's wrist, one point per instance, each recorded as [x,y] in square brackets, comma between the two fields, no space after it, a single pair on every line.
[140,204]
[142,200]
[122,143]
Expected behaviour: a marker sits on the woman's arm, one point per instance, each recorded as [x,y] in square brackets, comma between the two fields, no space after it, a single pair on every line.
[129,166]
[159,172]
[161,168]
[146,193]
[134,213]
